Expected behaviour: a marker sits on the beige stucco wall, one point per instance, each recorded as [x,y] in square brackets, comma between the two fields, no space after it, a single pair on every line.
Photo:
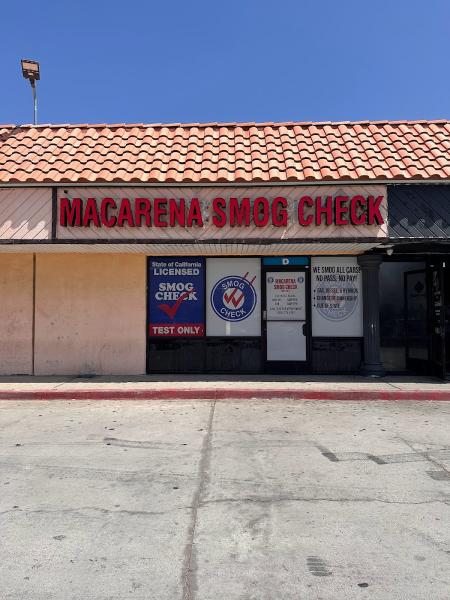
[90,314]
[16,306]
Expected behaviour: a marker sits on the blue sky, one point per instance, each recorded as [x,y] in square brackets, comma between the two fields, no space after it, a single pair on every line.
[232,60]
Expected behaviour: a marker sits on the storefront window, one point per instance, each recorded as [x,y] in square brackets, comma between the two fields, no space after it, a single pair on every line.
[403,315]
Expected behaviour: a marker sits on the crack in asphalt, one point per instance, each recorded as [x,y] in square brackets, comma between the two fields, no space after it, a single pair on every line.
[82,509]
[426,455]
[203,503]
[261,500]
[189,567]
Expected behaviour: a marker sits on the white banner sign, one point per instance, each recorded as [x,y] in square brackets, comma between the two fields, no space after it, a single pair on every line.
[285,296]
[233,296]
[336,297]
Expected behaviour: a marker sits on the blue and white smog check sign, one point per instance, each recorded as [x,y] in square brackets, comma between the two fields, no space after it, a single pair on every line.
[234,298]
[176,296]
[233,290]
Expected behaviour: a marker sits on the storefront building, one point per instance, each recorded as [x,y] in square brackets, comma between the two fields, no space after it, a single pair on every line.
[225,248]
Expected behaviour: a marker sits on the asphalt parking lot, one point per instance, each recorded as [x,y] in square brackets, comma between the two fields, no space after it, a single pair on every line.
[248,500]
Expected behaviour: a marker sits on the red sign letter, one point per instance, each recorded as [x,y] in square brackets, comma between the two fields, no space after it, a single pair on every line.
[328,210]
[219,215]
[125,213]
[260,212]
[279,212]
[195,214]
[239,212]
[375,217]
[340,209]
[159,210]
[355,218]
[177,212]
[142,208]
[91,213]
[301,208]
[106,220]
[70,216]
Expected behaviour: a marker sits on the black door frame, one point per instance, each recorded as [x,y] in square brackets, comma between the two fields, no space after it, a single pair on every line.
[289,366]
[438,359]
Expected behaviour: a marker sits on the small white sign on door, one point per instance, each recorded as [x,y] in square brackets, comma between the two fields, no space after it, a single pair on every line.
[286,296]
[286,340]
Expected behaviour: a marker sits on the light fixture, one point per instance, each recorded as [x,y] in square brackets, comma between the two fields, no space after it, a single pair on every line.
[30,71]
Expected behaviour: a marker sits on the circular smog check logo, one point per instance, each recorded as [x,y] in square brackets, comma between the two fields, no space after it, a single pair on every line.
[234,298]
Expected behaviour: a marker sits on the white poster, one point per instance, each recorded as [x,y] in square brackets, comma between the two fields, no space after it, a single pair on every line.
[285,296]
[336,297]
[233,296]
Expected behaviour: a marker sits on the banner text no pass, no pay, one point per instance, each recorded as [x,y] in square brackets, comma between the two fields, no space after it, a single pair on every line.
[234,212]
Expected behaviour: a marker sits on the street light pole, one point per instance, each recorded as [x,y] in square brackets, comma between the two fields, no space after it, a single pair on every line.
[30,70]
[33,88]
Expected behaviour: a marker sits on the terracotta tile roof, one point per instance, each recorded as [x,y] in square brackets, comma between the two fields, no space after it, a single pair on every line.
[225,152]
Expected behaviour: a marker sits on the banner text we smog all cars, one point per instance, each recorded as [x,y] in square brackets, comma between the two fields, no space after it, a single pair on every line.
[176,297]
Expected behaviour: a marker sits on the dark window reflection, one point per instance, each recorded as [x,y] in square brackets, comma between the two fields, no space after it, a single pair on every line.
[403,314]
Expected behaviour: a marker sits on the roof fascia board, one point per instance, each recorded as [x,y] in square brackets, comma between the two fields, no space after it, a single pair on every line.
[221,242]
[259,184]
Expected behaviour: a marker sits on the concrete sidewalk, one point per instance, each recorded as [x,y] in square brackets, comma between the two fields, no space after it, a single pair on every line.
[217,387]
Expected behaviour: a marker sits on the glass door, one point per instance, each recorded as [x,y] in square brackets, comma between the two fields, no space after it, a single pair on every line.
[286,320]
[416,321]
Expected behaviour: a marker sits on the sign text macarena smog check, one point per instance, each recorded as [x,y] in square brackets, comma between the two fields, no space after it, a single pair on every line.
[260,211]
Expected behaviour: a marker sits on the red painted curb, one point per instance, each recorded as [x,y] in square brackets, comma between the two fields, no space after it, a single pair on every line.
[227,394]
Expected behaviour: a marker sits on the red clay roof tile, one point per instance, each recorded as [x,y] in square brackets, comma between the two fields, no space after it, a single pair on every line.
[225,152]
